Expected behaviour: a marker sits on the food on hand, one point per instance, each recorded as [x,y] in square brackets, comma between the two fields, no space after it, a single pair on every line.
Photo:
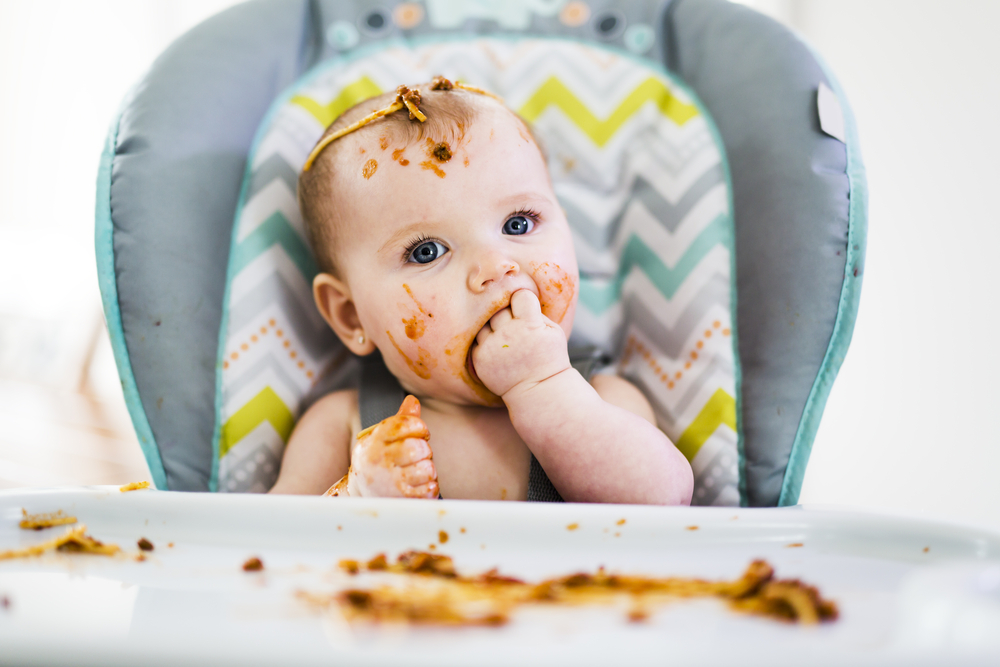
[392,459]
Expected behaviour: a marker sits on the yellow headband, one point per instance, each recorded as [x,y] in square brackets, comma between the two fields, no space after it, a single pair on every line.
[405,97]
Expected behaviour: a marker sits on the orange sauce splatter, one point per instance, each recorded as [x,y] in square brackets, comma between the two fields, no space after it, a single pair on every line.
[794,545]
[369,169]
[383,142]
[557,290]
[422,366]
[466,161]
[419,306]
[442,536]
[692,528]
[397,156]
[620,522]
[414,327]
[430,166]
[572,526]
[503,494]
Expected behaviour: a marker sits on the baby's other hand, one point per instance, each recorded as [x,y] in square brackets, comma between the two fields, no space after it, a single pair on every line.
[392,459]
[519,347]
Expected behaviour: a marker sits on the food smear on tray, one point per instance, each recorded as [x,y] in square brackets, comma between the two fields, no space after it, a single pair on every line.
[435,594]
[134,486]
[73,540]
[45,520]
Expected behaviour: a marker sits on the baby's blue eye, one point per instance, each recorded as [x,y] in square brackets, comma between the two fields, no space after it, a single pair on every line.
[517,225]
[427,252]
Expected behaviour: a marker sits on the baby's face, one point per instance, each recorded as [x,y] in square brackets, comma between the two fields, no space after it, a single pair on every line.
[432,250]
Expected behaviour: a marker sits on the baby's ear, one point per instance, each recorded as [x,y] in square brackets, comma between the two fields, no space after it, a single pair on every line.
[333,299]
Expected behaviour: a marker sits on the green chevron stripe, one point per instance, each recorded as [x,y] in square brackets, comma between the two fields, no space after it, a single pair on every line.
[265,406]
[350,95]
[276,229]
[719,410]
[598,297]
[554,92]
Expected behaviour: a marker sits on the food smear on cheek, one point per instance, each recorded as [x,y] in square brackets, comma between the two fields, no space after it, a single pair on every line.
[369,169]
[423,364]
[415,327]
[557,289]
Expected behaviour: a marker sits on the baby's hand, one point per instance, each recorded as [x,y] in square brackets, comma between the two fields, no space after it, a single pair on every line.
[392,459]
[519,347]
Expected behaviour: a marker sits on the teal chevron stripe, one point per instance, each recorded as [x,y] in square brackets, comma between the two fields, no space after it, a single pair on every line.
[276,229]
[598,298]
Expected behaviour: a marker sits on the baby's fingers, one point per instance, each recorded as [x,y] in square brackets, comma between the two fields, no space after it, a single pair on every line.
[412,450]
[429,491]
[402,427]
[418,474]
[524,305]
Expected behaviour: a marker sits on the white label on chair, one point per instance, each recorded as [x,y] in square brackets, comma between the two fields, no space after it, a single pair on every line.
[831,116]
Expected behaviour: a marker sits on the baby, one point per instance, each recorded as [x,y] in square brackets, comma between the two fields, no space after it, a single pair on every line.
[441,245]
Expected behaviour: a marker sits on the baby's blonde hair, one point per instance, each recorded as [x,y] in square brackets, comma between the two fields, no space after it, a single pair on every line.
[448,113]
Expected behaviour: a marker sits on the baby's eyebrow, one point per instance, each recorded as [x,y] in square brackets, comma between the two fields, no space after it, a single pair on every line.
[402,234]
[515,200]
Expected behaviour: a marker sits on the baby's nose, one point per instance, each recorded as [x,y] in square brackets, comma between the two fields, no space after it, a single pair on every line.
[492,268]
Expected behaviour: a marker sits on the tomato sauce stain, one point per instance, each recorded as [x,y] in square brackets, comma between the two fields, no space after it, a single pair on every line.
[430,166]
[422,366]
[415,327]
[557,290]
[369,169]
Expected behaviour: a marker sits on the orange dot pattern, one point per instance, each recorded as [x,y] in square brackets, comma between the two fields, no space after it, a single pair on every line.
[262,334]
[634,346]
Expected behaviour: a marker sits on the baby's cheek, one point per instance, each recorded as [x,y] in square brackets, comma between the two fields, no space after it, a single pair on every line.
[557,290]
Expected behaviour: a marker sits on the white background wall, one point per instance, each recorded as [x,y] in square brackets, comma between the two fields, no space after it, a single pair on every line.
[910,423]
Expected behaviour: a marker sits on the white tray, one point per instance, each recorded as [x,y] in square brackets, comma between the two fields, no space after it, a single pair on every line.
[909,591]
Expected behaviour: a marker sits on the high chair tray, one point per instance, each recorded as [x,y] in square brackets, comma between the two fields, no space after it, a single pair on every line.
[909,591]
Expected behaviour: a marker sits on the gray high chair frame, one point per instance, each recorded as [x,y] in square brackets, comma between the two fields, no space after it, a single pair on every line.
[176,155]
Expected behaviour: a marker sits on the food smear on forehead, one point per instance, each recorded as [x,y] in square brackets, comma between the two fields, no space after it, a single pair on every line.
[383,142]
[397,155]
[369,169]
[430,166]
[440,150]
[556,290]
[423,364]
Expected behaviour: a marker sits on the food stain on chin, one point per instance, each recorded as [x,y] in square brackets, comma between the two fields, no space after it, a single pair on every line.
[557,290]
[422,366]
[459,354]
[369,169]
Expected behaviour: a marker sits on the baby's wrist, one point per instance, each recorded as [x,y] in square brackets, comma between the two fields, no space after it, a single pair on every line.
[536,394]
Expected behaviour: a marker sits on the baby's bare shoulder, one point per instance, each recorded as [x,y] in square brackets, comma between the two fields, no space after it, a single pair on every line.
[319,449]
[621,393]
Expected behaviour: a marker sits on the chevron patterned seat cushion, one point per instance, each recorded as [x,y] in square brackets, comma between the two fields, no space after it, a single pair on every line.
[640,171]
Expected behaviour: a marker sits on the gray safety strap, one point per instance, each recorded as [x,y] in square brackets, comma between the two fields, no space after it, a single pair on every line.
[379,397]
[379,393]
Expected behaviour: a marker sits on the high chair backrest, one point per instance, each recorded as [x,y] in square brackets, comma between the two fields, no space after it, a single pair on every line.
[175,176]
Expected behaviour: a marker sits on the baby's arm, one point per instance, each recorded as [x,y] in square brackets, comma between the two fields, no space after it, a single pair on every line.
[318,453]
[390,459]
[593,450]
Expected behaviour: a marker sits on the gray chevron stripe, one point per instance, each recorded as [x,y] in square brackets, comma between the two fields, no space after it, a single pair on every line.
[272,168]
[654,391]
[706,375]
[670,341]
[251,376]
[669,215]
[315,336]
